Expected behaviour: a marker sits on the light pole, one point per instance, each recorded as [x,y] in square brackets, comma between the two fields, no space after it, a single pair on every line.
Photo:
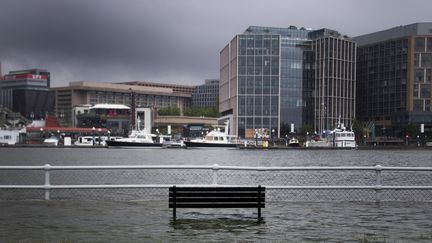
[42,134]
[256,138]
[58,135]
[273,137]
[99,135]
[418,141]
[93,134]
[108,134]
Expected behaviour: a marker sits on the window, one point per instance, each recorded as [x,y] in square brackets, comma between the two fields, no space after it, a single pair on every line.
[419,44]
[418,105]
[418,75]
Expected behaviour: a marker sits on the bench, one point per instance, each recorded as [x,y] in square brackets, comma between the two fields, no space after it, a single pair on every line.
[216,197]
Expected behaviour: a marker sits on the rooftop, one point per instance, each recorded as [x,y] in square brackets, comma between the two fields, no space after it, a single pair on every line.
[397,32]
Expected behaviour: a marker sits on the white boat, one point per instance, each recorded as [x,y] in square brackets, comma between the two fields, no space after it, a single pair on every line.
[86,141]
[174,144]
[293,142]
[52,141]
[338,138]
[215,138]
[137,138]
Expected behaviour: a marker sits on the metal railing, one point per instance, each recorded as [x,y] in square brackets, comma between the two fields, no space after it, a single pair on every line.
[304,183]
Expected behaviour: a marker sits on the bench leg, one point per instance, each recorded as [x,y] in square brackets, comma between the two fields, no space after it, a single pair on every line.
[174,213]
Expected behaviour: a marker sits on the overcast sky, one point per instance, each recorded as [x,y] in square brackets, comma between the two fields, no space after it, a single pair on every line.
[171,41]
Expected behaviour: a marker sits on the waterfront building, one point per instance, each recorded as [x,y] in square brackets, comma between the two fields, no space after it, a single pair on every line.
[394,78]
[272,77]
[27,92]
[146,95]
[206,95]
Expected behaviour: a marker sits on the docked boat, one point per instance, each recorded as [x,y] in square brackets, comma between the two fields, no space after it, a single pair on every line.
[137,138]
[338,138]
[87,141]
[51,141]
[214,139]
[293,142]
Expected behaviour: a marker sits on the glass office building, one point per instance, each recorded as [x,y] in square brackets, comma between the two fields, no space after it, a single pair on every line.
[207,94]
[395,78]
[268,79]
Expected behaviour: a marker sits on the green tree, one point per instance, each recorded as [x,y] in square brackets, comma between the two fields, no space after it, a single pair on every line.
[307,128]
[412,130]
[358,128]
[169,111]
[210,111]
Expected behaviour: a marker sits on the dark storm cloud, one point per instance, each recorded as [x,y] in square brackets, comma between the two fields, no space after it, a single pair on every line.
[166,40]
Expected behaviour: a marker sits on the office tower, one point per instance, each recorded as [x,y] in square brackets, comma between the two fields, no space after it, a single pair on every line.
[394,78]
[272,77]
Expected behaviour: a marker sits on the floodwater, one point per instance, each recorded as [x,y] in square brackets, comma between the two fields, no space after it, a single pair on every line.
[151,221]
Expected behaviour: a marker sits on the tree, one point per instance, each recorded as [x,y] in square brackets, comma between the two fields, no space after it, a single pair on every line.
[307,128]
[169,111]
[412,130]
[209,111]
[358,128]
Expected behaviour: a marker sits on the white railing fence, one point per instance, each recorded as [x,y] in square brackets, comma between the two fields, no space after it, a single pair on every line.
[375,183]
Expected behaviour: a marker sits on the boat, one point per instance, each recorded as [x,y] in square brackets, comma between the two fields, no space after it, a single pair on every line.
[51,141]
[293,142]
[338,138]
[214,139]
[137,138]
[173,144]
[87,141]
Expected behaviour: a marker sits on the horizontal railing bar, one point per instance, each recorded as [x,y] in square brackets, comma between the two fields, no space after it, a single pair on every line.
[125,186]
[213,167]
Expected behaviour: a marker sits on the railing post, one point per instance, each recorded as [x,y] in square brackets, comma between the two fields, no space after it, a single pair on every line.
[215,174]
[378,183]
[47,185]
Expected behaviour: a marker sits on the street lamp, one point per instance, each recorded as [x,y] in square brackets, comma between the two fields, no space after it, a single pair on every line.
[418,141]
[108,134]
[93,134]
[273,137]
[99,134]
[256,138]
[42,134]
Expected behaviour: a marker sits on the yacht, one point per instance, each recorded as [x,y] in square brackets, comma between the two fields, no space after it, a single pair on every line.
[86,141]
[215,138]
[293,142]
[137,138]
[338,138]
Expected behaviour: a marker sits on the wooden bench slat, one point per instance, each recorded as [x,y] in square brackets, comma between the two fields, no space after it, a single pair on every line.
[223,189]
[218,199]
[215,194]
[198,205]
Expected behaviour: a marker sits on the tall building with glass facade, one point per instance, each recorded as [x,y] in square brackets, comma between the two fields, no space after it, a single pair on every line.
[272,77]
[207,94]
[395,78]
